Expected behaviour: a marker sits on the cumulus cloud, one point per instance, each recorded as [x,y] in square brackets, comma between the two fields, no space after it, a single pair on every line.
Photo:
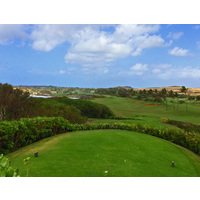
[196,27]
[175,36]
[168,72]
[138,69]
[90,45]
[198,44]
[97,48]
[46,37]
[179,52]
[8,32]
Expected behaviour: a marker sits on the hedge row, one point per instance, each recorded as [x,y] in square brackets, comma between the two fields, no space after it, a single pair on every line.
[16,134]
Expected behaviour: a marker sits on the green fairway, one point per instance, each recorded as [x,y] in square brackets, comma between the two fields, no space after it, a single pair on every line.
[149,113]
[106,153]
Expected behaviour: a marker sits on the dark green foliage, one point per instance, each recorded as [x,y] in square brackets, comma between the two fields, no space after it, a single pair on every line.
[181,101]
[12,102]
[198,98]
[5,169]
[87,108]
[188,127]
[140,97]
[15,134]
[52,108]
[117,91]
[191,98]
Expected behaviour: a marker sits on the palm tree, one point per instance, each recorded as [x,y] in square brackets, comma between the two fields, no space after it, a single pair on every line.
[171,94]
[184,90]
[163,94]
[150,93]
[176,95]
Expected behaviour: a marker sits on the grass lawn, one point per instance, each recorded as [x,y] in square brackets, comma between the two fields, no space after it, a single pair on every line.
[149,113]
[106,153]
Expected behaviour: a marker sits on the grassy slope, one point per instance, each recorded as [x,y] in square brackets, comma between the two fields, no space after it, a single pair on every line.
[150,115]
[91,153]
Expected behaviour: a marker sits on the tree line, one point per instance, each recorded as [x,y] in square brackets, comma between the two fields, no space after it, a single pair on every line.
[16,104]
[150,95]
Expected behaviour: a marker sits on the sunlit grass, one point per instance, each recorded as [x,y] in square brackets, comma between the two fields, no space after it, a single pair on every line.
[103,153]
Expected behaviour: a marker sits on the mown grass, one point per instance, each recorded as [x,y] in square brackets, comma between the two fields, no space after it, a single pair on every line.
[106,153]
[150,113]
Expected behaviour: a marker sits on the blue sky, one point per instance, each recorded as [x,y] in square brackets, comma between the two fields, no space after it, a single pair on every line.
[100,55]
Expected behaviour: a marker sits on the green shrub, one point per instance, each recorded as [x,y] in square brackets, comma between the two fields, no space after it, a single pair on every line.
[52,108]
[181,101]
[15,134]
[5,169]
[87,108]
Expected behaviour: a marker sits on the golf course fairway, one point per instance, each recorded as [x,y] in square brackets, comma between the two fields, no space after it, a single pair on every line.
[105,153]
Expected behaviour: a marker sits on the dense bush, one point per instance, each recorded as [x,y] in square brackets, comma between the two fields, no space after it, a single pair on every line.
[188,127]
[51,108]
[181,101]
[191,98]
[87,108]
[16,134]
[12,102]
[198,98]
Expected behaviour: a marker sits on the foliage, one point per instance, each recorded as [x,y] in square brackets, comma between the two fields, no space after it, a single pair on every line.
[87,108]
[191,98]
[181,101]
[26,131]
[12,102]
[188,127]
[52,108]
[27,163]
[16,134]
[198,98]
[5,169]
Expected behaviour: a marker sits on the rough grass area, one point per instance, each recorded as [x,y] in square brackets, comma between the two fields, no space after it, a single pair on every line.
[106,153]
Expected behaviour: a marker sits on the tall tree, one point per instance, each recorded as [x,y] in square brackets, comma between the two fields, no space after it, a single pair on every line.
[177,97]
[12,102]
[184,90]
[163,94]
[171,94]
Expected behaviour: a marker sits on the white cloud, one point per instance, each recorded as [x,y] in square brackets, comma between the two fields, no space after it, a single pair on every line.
[46,37]
[179,52]
[196,27]
[8,32]
[173,72]
[198,44]
[62,71]
[157,69]
[138,69]
[124,32]
[89,44]
[175,36]
[189,72]
[94,48]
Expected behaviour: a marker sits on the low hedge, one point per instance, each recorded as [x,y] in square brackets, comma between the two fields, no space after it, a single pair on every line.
[16,134]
